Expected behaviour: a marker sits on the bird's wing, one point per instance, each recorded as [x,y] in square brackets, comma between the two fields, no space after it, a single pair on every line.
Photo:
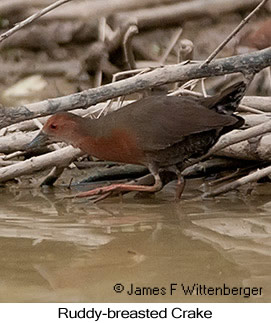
[159,122]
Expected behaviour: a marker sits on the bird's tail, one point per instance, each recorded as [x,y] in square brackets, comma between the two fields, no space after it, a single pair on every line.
[229,99]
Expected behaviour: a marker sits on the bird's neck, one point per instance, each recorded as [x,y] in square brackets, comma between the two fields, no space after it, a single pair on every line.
[86,134]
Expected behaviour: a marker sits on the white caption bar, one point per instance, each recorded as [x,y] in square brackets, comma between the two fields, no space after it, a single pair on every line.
[132,312]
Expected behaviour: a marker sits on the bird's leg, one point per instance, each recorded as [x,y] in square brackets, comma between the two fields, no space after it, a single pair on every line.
[180,181]
[126,187]
[180,186]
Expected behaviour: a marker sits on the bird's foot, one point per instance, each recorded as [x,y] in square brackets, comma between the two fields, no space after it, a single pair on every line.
[93,197]
[116,188]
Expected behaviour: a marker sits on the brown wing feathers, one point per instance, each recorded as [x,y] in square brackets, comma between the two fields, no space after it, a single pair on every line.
[158,122]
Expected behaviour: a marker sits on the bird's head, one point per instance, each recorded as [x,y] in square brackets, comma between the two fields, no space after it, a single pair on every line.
[59,127]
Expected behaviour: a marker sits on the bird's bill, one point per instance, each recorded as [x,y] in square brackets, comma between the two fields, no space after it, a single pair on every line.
[39,141]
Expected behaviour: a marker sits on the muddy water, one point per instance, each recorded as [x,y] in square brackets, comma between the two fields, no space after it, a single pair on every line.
[73,251]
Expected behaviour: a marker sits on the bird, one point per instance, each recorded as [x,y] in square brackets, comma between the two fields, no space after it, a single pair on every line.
[160,132]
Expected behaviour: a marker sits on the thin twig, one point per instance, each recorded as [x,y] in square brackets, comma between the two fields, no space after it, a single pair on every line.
[13,155]
[172,43]
[245,108]
[234,32]
[53,176]
[127,46]
[38,123]
[182,91]
[99,74]
[203,88]
[105,108]
[32,18]
[138,71]
[235,174]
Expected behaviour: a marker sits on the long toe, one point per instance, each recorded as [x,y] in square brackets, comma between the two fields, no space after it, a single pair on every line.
[95,191]
[102,197]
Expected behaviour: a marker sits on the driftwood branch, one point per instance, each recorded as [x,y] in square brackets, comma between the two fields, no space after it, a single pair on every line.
[15,141]
[238,135]
[87,10]
[252,120]
[32,18]
[174,14]
[60,158]
[247,63]
[241,181]
[255,148]
[262,103]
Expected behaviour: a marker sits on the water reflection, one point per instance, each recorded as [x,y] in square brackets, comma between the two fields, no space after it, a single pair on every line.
[53,250]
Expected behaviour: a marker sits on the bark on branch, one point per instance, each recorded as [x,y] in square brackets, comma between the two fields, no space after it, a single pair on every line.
[60,158]
[247,63]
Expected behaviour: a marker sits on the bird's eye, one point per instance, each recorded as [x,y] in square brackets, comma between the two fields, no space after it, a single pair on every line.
[53,126]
